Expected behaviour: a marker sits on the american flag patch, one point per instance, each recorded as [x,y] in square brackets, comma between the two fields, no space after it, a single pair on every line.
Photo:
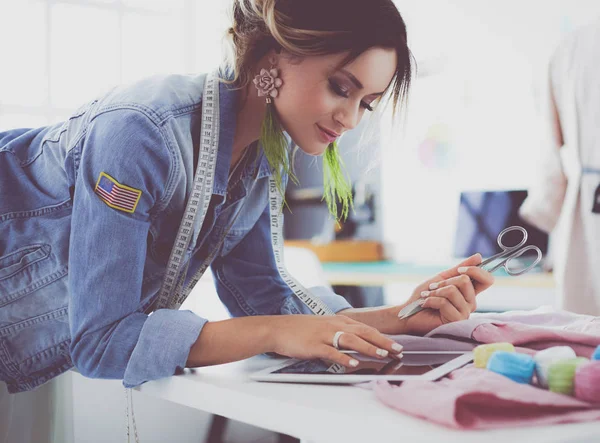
[116,195]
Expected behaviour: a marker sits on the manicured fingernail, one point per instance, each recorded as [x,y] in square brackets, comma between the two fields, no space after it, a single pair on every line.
[354,363]
[382,352]
[396,347]
[425,293]
[433,286]
[462,269]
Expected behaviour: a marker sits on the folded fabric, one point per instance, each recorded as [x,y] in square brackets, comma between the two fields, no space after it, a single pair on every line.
[534,330]
[542,329]
[472,398]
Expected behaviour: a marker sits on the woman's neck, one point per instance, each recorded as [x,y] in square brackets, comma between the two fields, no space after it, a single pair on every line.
[251,111]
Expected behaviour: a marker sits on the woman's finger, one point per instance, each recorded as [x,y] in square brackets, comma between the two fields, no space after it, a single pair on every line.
[445,307]
[454,295]
[373,336]
[333,355]
[482,279]
[370,345]
[464,285]
[473,260]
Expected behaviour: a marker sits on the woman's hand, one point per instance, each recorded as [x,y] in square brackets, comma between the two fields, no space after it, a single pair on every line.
[449,296]
[309,336]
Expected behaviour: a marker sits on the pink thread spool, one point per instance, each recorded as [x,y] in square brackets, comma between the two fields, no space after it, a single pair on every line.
[587,382]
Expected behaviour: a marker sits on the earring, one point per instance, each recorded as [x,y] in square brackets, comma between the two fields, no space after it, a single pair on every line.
[274,143]
[268,81]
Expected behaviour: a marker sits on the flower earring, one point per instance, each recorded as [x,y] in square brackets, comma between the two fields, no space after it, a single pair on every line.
[268,81]
[274,144]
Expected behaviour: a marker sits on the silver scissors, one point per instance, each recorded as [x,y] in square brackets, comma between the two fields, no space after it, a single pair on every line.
[508,253]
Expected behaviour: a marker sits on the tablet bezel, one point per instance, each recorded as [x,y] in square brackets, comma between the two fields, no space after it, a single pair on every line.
[267,374]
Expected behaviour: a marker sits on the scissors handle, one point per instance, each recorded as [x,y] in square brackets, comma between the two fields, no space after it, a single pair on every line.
[508,253]
[504,263]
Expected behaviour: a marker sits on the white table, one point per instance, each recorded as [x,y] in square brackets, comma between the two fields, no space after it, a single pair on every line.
[328,413]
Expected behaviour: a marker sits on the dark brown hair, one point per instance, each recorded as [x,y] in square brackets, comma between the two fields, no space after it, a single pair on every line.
[317,27]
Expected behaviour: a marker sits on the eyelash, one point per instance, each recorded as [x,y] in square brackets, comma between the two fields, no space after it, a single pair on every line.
[339,91]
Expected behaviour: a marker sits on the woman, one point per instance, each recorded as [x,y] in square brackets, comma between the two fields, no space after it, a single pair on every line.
[90,251]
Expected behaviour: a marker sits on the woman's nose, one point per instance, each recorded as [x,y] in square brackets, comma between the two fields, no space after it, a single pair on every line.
[348,117]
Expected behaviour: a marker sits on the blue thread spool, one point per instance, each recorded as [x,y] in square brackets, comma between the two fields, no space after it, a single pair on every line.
[596,355]
[517,367]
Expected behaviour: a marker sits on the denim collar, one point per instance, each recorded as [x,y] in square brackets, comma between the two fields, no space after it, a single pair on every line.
[228,97]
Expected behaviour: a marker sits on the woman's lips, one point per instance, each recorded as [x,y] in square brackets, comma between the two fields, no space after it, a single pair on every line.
[326,135]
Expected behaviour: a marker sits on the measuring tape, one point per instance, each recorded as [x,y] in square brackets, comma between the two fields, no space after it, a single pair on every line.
[199,199]
[172,295]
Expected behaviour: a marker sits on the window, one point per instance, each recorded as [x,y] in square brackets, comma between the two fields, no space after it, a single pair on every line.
[59,54]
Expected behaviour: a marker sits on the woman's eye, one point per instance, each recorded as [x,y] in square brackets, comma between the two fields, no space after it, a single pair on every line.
[367,106]
[338,89]
[343,93]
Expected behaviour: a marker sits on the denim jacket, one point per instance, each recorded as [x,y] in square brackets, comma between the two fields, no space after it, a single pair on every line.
[82,258]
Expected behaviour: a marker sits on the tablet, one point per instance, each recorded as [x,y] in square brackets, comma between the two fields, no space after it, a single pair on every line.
[414,365]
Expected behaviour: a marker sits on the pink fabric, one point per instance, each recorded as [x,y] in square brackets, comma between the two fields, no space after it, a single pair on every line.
[535,330]
[542,329]
[471,398]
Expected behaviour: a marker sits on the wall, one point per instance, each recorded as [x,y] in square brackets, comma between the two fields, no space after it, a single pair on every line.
[472,121]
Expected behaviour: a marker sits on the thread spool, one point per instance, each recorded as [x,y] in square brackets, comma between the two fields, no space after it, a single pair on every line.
[482,353]
[543,360]
[596,355]
[561,375]
[517,367]
[587,382]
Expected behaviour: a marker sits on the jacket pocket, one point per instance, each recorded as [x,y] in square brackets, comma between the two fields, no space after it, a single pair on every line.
[25,270]
[18,260]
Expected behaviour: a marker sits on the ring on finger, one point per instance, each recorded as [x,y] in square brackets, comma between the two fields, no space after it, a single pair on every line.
[336,339]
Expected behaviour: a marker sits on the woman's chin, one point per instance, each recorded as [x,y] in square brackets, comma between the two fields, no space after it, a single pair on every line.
[314,149]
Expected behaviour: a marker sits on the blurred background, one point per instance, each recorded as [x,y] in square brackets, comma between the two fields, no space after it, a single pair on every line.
[468,137]
[481,66]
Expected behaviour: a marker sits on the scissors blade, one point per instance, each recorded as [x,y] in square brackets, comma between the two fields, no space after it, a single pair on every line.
[411,309]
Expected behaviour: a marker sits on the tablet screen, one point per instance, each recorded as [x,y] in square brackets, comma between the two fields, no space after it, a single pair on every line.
[411,364]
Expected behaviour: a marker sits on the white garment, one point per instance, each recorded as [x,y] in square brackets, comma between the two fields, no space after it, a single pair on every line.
[562,201]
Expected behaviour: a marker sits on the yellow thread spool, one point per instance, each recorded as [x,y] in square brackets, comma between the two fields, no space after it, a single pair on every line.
[482,353]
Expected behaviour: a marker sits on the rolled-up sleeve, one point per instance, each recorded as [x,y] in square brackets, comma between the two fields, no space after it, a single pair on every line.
[110,336]
[248,282]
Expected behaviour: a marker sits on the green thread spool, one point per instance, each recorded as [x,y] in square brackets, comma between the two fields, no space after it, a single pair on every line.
[561,375]
[544,359]
[482,353]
